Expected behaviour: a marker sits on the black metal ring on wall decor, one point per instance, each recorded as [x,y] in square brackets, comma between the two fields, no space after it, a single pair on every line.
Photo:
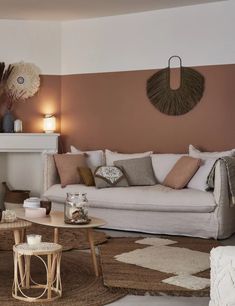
[178,101]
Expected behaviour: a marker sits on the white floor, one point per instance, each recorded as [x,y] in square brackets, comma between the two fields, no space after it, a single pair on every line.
[131,300]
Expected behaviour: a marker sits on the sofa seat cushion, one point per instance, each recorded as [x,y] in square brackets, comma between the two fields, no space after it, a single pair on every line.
[150,198]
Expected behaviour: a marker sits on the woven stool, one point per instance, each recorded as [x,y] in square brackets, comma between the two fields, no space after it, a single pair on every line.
[52,289]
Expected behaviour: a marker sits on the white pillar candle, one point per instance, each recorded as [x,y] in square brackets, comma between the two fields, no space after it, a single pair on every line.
[34,239]
[222,276]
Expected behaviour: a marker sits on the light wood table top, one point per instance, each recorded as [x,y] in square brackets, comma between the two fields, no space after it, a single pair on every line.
[56,219]
[18,224]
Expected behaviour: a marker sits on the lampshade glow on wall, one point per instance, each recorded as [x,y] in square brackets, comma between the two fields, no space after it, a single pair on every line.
[49,123]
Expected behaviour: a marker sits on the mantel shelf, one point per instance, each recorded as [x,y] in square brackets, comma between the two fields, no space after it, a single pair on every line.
[29,142]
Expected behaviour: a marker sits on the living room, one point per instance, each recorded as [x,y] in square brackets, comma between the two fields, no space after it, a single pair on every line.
[107,76]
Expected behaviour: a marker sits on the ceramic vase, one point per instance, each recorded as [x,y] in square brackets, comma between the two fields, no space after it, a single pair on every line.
[8,122]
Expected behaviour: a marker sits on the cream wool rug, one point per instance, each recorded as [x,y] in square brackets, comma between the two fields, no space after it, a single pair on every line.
[161,255]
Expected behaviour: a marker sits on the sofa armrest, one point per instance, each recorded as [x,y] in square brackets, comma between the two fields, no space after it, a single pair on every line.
[225,213]
[50,174]
[221,192]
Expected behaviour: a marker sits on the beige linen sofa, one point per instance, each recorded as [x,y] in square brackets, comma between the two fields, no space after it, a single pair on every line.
[153,209]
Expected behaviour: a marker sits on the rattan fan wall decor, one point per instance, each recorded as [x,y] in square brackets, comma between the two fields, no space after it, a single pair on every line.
[23,82]
[178,101]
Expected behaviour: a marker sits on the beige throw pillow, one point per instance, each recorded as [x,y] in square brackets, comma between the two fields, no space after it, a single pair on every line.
[67,165]
[182,172]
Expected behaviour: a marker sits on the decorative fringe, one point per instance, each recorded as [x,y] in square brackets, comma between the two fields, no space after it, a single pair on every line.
[179,101]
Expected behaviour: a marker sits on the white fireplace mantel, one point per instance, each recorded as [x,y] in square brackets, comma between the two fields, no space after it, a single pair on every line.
[22,159]
[29,142]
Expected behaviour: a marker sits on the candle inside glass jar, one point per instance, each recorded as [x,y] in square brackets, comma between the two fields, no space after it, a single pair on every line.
[34,239]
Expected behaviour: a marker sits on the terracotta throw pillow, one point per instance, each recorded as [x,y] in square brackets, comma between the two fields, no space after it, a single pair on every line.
[182,172]
[86,175]
[67,165]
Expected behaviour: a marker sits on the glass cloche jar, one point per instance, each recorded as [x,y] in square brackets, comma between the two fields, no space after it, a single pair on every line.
[76,209]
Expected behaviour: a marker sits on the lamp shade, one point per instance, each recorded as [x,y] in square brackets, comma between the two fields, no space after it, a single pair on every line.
[49,123]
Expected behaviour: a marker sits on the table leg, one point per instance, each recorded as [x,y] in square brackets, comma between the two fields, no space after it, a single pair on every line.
[17,237]
[23,235]
[27,270]
[49,276]
[56,240]
[56,234]
[92,247]
[16,283]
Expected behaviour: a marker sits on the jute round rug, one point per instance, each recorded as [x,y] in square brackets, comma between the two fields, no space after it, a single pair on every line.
[68,238]
[80,286]
[166,266]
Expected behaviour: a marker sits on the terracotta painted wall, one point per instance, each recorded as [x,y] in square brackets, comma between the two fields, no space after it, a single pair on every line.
[47,100]
[111,110]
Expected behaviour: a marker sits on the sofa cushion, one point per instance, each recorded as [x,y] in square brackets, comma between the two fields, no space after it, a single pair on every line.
[86,176]
[109,176]
[145,198]
[199,180]
[182,172]
[163,163]
[194,152]
[67,167]
[139,171]
[95,158]
[111,157]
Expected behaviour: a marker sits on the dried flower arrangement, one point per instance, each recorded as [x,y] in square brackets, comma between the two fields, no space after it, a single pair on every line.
[4,74]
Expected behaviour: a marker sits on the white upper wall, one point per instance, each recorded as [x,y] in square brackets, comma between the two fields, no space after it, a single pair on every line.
[200,34]
[31,41]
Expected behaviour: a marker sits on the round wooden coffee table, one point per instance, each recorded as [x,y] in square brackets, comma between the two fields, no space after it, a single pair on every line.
[56,220]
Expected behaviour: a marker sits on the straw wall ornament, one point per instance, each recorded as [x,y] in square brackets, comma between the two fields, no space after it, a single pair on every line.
[178,101]
[23,82]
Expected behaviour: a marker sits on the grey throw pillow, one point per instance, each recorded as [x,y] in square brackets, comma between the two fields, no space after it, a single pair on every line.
[139,171]
[109,176]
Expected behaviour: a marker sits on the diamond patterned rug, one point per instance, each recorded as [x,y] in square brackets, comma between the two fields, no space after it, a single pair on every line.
[158,265]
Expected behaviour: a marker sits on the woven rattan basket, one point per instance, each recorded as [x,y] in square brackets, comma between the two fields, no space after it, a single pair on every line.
[14,198]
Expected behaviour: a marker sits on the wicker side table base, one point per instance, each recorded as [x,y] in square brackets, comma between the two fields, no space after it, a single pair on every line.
[50,256]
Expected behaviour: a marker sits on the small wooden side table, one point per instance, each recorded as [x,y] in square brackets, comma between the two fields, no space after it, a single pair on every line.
[52,289]
[18,227]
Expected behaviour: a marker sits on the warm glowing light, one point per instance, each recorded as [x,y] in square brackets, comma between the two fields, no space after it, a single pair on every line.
[49,124]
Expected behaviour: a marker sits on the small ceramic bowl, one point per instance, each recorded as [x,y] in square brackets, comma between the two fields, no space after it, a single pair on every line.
[46,204]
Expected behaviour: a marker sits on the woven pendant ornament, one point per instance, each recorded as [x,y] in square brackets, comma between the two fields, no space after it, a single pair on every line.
[178,101]
[23,81]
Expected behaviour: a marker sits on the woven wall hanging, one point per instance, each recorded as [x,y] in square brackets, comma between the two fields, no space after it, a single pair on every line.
[178,101]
